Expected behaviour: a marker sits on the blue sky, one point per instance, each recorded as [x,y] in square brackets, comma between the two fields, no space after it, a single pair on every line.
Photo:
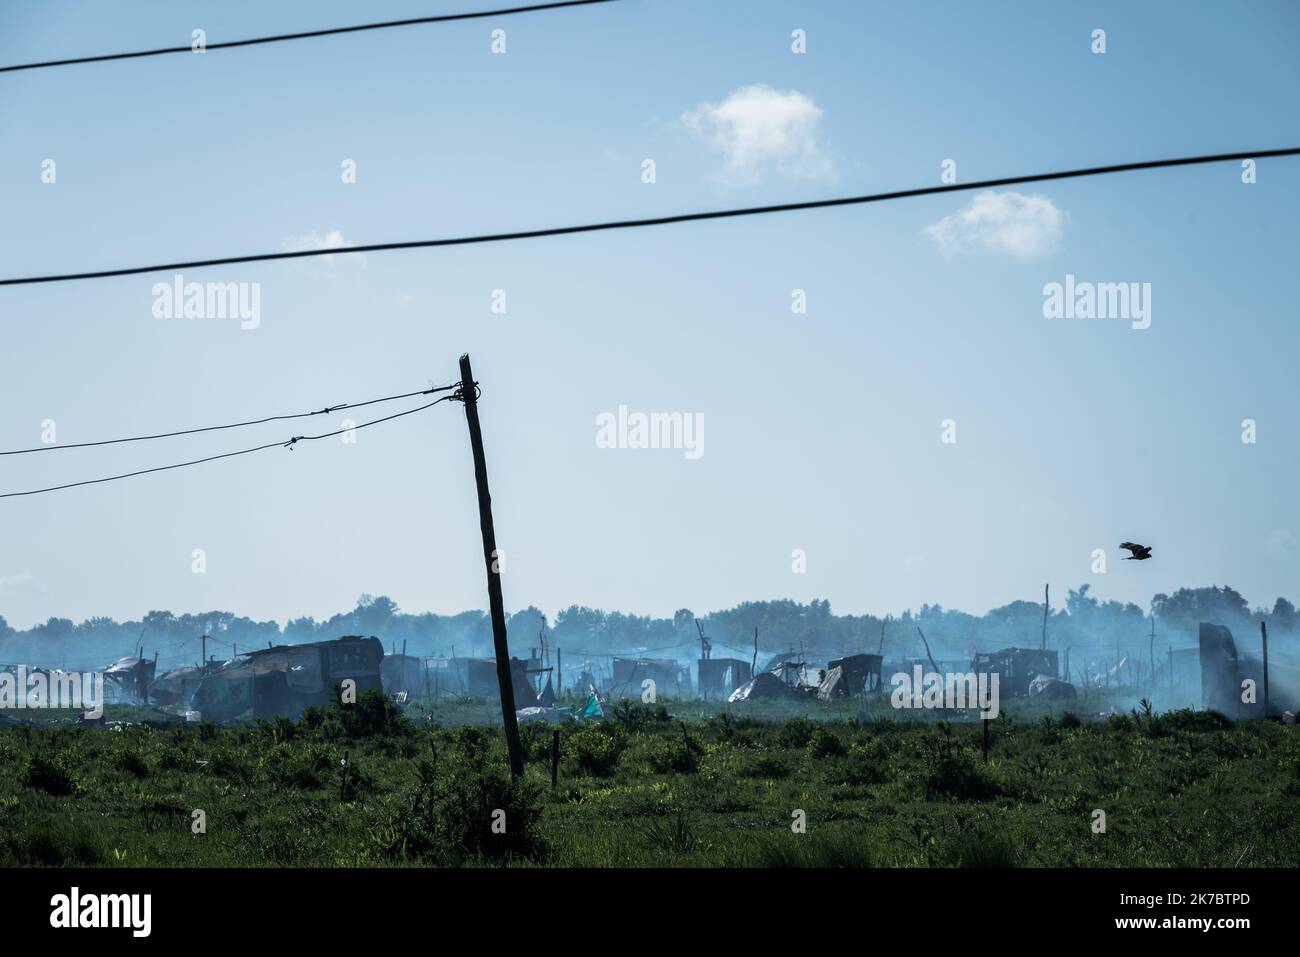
[822,430]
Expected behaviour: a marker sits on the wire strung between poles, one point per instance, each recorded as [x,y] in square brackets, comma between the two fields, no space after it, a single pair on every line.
[661,220]
[226,455]
[233,425]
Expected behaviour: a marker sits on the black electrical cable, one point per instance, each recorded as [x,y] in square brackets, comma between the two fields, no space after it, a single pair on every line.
[226,455]
[664,220]
[233,425]
[306,34]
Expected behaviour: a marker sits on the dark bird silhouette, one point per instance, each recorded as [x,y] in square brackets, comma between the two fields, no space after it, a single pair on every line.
[1140,552]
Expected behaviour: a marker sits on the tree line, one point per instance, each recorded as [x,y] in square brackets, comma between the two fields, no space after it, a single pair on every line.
[1083,623]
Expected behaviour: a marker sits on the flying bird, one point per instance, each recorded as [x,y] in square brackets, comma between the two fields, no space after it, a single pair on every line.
[1140,552]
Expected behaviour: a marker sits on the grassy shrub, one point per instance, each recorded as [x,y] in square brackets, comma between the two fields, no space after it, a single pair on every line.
[819,850]
[866,762]
[50,846]
[596,749]
[306,768]
[796,733]
[673,833]
[467,809]
[131,761]
[374,715]
[673,757]
[943,769]
[635,717]
[981,849]
[51,774]
[1185,719]
[228,762]
[1208,793]
[536,740]
[175,757]
[825,744]
[276,730]
[723,725]
[767,766]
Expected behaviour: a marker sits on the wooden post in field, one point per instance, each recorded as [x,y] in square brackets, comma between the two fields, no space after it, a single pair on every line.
[468,395]
[1263,634]
[1153,651]
[555,758]
[1046,605]
[984,738]
[931,657]
[559,671]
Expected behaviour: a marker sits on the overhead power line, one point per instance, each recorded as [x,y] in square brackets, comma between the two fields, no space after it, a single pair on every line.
[665,220]
[307,34]
[232,425]
[289,444]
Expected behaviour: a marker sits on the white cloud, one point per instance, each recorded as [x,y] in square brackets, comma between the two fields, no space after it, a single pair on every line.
[1023,227]
[759,129]
[24,581]
[330,240]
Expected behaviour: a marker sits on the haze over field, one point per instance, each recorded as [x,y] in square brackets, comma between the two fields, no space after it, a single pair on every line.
[1081,622]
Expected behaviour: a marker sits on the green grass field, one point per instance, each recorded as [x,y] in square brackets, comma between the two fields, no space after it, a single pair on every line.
[681,785]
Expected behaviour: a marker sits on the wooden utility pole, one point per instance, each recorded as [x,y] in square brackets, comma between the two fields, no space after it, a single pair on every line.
[1263,634]
[753,662]
[1046,603]
[706,646]
[204,657]
[927,651]
[1153,652]
[468,395]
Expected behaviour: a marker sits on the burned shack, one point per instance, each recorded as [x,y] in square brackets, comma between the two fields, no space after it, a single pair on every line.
[176,686]
[129,678]
[402,674]
[852,676]
[666,673]
[481,675]
[286,679]
[1016,668]
[477,678]
[1229,675]
[765,684]
[718,677]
